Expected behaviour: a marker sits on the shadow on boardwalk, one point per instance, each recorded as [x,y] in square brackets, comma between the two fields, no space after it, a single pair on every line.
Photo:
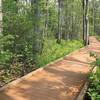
[52,88]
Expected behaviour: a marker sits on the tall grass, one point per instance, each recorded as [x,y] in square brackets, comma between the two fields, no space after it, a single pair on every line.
[53,51]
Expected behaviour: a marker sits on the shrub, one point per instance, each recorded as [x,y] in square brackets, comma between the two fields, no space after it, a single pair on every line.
[94,78]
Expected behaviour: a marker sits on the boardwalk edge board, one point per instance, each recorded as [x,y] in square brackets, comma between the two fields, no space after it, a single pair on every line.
[85,87]
[13,83]
[83,91]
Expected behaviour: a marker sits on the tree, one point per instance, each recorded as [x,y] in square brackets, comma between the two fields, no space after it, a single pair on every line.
[36,28]
[85,23]
[59,34]
[46,15]
[0,16]
[94,16]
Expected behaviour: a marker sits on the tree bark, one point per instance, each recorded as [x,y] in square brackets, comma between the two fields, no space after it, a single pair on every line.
[1,29]
[83,20]
[46,17]
[59,34]
[36,29]
[94,16]
[85,23]
[72,23]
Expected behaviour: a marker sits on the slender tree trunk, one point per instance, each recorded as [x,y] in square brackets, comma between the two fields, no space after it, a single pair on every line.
[72,22]
[45,31]
[46,17]
[94,16]
[36,30]
[59,35]
[66,21]
[1,16]
[85,23]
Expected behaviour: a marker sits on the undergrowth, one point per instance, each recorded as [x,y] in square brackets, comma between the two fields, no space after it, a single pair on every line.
[53,51]
[94,79]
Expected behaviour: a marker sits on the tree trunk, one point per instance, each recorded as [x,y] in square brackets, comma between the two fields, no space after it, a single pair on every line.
[45,30]
[94,16]
[59,35]
[85,23]
[66,21]
[72,23]
[36,30]
[1,16]
[46,17]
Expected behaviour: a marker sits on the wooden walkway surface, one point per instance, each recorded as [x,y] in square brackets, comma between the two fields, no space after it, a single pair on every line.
[59,81]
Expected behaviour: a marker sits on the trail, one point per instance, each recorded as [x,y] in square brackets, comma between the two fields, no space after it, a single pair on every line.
[62,80]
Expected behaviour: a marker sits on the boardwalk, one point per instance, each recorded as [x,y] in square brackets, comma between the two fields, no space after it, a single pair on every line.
[59,81]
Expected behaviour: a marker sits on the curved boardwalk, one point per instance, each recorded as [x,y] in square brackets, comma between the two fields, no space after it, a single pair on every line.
[59,81]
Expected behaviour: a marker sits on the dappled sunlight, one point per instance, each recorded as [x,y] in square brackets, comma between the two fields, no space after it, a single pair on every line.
[45,88]
[48,49]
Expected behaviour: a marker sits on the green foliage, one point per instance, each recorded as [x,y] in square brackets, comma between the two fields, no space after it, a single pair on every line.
[6,40]
[94,78]
[16,58]
[27,43]
[98,37]
[54,51]
[5,54]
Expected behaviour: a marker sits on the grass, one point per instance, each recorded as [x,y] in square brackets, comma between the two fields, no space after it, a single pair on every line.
[98,37]
[53,51]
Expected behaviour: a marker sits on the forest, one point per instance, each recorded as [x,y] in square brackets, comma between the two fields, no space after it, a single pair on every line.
[37,32]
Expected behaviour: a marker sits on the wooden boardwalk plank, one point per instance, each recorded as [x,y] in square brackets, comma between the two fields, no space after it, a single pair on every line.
[62,80]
